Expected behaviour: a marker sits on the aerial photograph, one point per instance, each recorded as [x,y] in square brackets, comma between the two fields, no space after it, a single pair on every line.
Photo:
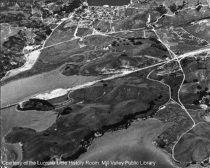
[105,83]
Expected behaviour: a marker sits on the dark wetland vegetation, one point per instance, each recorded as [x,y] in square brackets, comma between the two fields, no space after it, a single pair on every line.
[107,83]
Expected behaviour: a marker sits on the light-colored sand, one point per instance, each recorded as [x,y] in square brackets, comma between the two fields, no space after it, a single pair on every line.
[31,58]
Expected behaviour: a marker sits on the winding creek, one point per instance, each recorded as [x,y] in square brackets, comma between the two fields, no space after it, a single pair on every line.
[139,136]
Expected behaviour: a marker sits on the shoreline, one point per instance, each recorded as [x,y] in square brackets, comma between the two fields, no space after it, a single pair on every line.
[31,58]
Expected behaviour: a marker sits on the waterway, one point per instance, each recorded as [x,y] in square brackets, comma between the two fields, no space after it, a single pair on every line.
[10,118]
[135,141]
[18,90]
[132,144]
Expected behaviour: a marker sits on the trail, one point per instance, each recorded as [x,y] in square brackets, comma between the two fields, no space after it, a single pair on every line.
[189,54]
[178,59]
[175,57]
